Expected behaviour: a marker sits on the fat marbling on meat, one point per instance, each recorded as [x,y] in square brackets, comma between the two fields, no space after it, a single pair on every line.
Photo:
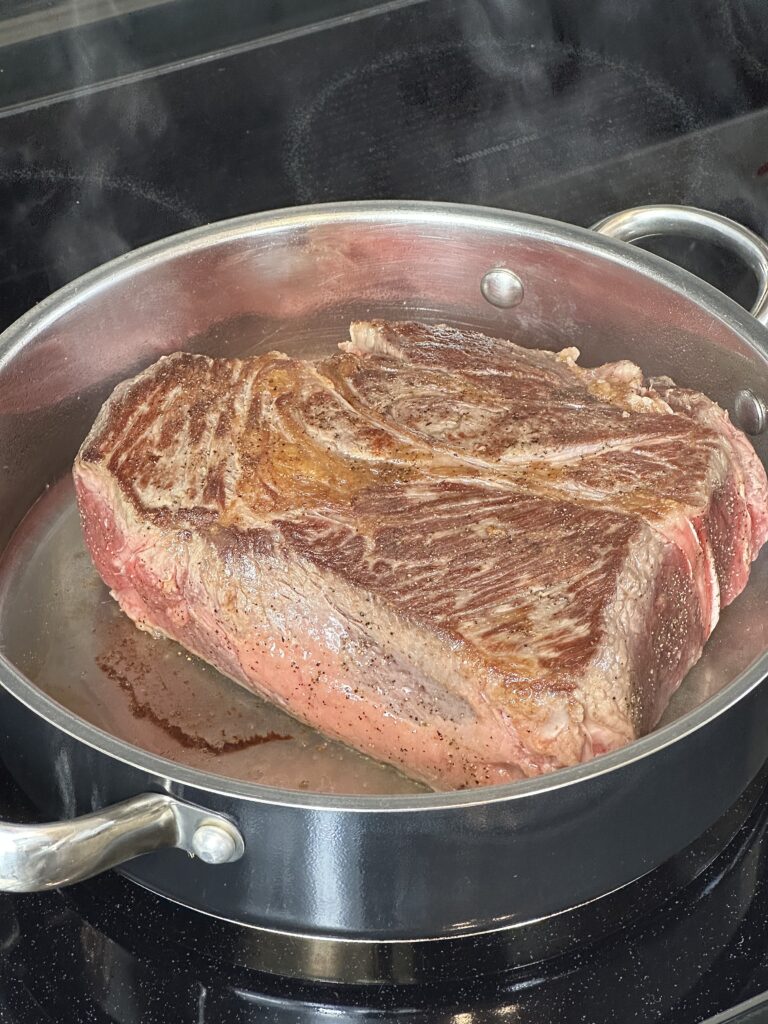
[475,561]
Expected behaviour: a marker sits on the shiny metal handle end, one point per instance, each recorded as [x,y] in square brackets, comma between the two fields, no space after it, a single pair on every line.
[650,221]
[38,857]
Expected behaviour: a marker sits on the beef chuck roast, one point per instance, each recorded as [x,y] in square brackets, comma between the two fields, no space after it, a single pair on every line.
[472,560]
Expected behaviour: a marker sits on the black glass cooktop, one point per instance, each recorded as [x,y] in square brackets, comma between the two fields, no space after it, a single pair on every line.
[117,130]
[107,951]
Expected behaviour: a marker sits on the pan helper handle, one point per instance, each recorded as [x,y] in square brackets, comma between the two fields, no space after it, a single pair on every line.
[651,221]
[38,857]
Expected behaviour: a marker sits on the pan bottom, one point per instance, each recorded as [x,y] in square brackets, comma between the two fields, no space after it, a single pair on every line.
[360,962]
[61,628]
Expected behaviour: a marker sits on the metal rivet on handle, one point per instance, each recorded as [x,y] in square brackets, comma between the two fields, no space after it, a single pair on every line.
[217,844]
[750,412]
[501,288]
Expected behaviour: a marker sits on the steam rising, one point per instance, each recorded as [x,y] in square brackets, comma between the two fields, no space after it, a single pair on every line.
[567,109]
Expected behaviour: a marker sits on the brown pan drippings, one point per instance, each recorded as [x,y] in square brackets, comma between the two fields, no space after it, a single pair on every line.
[125,667]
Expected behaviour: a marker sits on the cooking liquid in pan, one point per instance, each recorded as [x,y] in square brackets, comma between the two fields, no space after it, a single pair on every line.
[61,628]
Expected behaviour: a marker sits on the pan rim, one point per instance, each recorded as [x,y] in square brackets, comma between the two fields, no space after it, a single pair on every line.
[383,212]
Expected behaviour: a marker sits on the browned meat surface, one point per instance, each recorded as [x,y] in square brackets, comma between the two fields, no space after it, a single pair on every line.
[475,561]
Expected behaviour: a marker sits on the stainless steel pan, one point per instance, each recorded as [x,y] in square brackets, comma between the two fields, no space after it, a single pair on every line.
[324,843]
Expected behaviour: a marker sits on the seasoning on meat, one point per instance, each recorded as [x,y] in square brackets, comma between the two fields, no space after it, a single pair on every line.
[475,561]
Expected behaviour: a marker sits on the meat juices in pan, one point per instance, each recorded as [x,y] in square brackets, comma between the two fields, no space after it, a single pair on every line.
[474,561]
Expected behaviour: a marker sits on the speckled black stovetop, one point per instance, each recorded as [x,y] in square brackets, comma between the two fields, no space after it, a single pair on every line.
[106,951]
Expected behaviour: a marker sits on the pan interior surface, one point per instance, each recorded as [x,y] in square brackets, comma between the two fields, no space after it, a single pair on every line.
[61,628]
[293,283]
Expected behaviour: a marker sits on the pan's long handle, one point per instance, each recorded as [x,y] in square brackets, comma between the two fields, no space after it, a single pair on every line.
[649,221]
[37,857]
